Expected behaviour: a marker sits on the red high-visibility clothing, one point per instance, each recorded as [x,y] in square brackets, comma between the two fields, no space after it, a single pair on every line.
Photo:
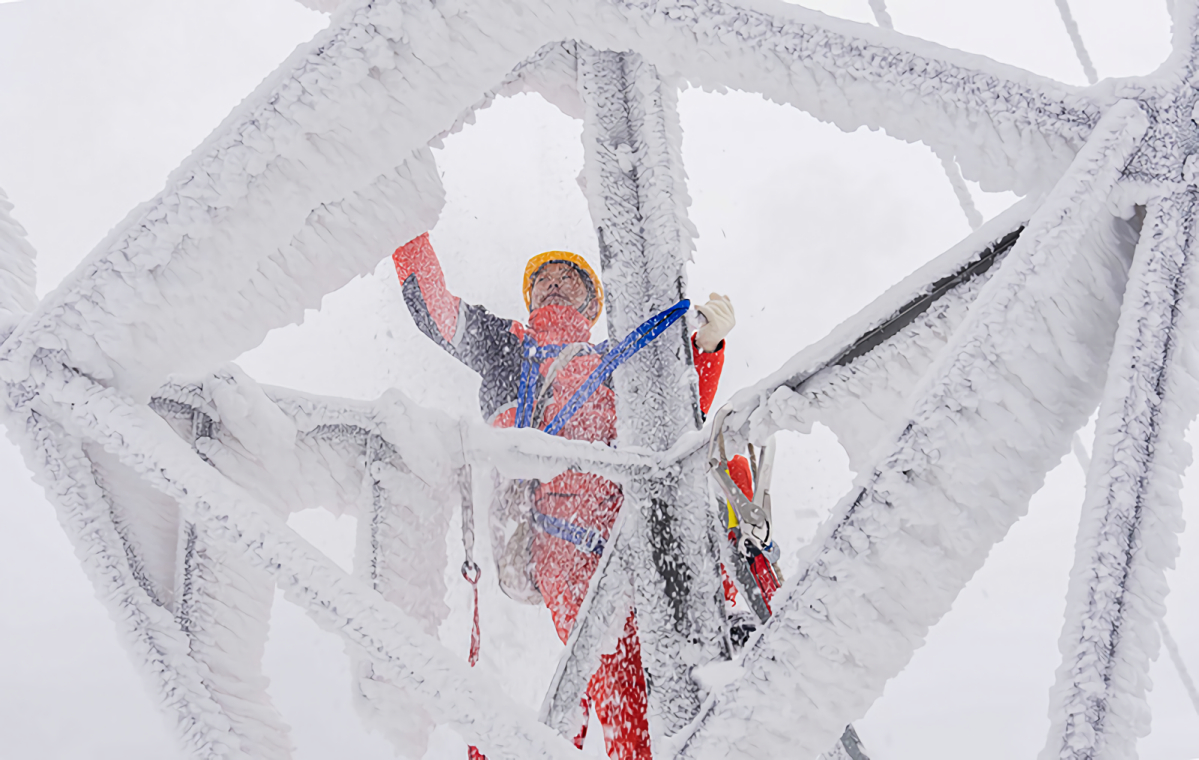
[492,347]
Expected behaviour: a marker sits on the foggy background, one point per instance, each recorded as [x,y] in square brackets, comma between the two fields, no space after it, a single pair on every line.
[800,223]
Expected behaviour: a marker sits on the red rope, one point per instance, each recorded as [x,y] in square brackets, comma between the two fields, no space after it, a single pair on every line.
[475,639]
[474,631]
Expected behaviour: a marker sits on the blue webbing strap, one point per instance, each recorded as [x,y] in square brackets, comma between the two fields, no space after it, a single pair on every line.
[528,383]
[588,540]
[632,343]
[532,355]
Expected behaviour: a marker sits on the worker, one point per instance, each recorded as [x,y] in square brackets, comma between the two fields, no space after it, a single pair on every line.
[550,535]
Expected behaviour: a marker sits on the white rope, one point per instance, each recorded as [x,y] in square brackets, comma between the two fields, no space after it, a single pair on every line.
[881,17]
[952,173]
[973,216]
[1080,50]
[1080,453]
[1176,658]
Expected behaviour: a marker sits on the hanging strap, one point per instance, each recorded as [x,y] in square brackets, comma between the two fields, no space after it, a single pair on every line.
[529,367]
[471,572]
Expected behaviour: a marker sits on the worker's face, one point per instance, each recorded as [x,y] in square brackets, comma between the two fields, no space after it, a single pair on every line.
[558,283]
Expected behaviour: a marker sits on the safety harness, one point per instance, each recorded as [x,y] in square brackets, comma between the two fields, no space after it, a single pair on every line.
[585,539]
[534,355]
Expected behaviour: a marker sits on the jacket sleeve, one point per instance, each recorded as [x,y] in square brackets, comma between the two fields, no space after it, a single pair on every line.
[708,367]
[488,344]
[431,303]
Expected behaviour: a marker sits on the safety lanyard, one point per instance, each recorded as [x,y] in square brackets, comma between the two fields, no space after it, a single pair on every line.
[632,343]
[471,572]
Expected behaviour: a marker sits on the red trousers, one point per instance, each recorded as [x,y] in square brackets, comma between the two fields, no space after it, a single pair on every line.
[563,571]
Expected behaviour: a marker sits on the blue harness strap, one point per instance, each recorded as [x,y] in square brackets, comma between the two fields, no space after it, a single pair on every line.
[532,355]
[632,343]
[528,383]
[586,539]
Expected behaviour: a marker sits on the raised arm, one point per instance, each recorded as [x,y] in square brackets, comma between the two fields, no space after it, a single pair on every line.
[708,365]
[433,307]
[707,346]
[488,344]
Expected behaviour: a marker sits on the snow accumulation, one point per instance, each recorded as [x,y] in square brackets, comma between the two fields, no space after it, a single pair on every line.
[17,268]
[174,472]
[246,214]
[1132,513]
[980,430]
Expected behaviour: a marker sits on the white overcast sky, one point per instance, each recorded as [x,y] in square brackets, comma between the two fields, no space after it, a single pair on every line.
[799,223]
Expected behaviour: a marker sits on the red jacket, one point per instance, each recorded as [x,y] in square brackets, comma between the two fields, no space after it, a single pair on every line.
[491,346]
[574,512]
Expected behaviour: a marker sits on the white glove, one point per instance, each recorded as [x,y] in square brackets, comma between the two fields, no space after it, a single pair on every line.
[719,313]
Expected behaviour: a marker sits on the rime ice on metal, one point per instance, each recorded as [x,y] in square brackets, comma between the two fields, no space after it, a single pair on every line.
[954,393]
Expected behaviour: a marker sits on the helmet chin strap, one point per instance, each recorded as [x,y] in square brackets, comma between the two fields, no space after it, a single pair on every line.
[590,300]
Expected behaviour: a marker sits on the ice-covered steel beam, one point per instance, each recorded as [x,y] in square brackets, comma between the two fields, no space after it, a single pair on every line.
[1184,59]
[755,412]
[1008,128]
[320,171]
[159,648]
[397,645]
[638,200]
[223,605]
[309,182]
[401,552]
[982,429]
[332,457]
[97,523]
[1132,512]
[601,616]
[552,72]
[251,424]
[1169,98]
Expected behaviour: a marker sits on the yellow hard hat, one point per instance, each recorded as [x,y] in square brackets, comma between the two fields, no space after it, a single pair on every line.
[580,263]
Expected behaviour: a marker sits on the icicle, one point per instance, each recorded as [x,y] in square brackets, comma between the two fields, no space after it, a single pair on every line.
[1063,7]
